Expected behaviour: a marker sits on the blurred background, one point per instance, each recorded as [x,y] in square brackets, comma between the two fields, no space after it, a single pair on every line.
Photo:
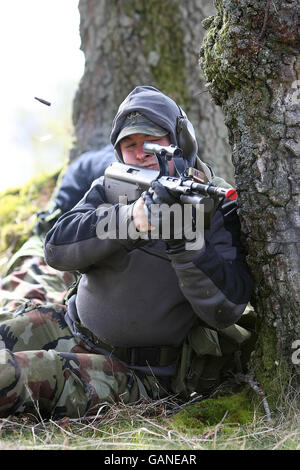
[40,57]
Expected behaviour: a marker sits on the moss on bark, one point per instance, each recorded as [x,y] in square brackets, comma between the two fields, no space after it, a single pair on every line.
[271,370]
[162,46]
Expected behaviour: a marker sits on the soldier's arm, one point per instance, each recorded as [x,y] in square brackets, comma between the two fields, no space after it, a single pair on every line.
[216,280]
[77,241]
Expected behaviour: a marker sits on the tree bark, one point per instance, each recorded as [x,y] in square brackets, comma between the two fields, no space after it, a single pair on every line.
[251,60]
[133,42]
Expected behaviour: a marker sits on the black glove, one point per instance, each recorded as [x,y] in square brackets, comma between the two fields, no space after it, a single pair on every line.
[166,224]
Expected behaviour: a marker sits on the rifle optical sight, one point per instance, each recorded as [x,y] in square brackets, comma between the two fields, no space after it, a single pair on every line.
[168,151]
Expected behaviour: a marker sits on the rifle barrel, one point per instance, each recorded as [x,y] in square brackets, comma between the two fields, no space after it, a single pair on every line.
[211,190]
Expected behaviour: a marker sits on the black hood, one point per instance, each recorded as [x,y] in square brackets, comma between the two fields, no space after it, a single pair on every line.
[153,104]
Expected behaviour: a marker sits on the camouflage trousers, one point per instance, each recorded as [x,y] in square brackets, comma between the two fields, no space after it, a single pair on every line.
[30,278]
[46,370]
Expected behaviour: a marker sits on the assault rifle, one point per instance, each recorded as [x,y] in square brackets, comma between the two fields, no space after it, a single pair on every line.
[131,181]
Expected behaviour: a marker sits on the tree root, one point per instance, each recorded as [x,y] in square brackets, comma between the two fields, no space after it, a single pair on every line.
[245,378]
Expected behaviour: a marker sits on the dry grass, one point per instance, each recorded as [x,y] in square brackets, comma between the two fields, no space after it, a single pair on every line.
[149,426]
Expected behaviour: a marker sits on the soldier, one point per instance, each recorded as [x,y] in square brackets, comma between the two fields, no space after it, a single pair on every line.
[148,317]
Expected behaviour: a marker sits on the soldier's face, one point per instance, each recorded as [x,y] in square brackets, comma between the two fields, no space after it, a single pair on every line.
[133,153]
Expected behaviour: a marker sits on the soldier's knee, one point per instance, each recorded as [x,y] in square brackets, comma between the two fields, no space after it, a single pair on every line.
[9,380]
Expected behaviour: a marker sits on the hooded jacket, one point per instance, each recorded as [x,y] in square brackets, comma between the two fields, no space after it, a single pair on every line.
[161,110]
[135,294]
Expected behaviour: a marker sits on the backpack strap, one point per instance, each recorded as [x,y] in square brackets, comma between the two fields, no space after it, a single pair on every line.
[73,287]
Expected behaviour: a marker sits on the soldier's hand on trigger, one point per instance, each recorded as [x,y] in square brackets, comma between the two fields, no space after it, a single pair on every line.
[157,194]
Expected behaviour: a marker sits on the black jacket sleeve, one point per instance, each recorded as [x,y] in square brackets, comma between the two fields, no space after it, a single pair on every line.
[216,280]
[79,240]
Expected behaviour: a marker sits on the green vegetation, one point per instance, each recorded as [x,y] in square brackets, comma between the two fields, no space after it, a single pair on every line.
[271,374]
[18,208]
[229,422]
[230,411]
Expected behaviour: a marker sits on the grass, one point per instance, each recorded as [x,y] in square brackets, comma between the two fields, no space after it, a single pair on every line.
[154,426]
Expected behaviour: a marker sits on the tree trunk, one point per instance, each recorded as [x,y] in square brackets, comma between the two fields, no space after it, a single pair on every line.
[133,42]
[251,59]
